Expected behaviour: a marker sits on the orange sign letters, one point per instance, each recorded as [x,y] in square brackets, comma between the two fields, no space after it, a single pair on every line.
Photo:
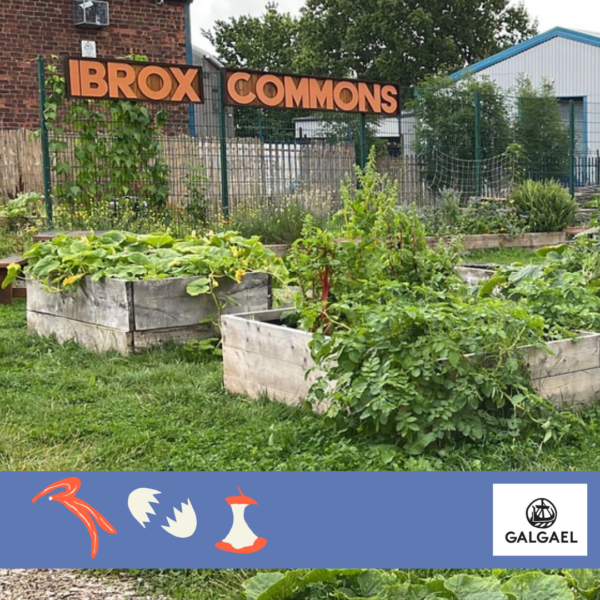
[128,80]
[271,90]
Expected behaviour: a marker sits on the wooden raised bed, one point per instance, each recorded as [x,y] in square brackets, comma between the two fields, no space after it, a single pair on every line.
[505,240]
[129,315]
[485,241]
[263,357]
[472,274]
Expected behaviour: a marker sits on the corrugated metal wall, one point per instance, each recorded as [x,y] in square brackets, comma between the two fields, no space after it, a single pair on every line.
[573,68]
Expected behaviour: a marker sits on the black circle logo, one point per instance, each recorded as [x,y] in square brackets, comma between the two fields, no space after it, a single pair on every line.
[541,513]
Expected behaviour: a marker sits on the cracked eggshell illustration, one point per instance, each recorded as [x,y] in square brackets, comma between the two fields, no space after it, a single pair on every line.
[139,504]
[185,521]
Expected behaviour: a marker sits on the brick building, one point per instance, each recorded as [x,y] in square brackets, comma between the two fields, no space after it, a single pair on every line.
[159,29]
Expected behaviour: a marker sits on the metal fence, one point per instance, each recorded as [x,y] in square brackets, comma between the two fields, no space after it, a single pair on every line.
[143,165]
[185,166]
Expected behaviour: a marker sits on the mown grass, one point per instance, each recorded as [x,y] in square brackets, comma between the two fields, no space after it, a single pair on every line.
[503,256]
[64,408]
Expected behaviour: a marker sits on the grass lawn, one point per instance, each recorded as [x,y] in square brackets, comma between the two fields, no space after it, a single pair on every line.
[64,408]
[503,256]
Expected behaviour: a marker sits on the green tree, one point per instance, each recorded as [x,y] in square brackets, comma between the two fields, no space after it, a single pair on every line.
[541,132]
[446,128]
[264,43]
[405,40]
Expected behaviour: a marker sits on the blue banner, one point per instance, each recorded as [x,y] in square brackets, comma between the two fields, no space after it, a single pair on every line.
[281,520]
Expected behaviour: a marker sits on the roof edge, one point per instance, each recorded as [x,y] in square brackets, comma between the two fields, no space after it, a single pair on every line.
[568,34]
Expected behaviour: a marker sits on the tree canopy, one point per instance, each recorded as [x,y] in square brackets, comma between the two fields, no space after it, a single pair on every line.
[396,40]
[265,43]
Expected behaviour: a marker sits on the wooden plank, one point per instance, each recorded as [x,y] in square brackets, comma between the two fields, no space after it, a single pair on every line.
[567,356]
[576,388]
[9,260]
[107,303]
[164,303]
[255,391]
[265,339]
[91,336]
[271,374]
[262,357]
[280,250]
[177,335]
[472,276]
[504,240]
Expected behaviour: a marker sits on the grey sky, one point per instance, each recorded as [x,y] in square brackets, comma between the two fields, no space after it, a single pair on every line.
[574,14]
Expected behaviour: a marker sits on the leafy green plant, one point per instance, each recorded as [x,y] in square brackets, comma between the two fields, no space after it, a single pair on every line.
[564,289]
[104,152]
[421,367]
[370,241]
[26,210]
[278,223]
[545,206]
[197,202]
[397,585]
[487,215]
[541,132]
[407,351]
[63,262]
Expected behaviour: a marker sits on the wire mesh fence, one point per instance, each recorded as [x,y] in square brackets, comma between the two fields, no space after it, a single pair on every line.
[149,165]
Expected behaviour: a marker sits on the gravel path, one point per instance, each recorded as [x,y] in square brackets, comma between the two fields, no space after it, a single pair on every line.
[24,584]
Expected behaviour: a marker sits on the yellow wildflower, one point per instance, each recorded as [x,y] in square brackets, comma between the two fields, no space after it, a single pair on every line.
[71,280]
[239,274]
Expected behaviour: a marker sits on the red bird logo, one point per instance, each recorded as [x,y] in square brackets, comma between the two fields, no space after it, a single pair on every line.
[78,507]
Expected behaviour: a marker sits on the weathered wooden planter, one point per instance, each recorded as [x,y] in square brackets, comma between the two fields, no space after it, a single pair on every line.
[130,315]
[263,357]
[472,274]
[505,240]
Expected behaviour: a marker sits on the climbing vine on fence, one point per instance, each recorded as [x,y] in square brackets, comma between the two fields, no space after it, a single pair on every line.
[107,157]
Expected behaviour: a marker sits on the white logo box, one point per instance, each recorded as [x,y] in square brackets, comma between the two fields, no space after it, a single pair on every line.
[510,506]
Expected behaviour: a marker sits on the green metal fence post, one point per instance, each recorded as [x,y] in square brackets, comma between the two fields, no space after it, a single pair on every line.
[45,143]
[572,148]
[362,133]
[477,145]
[223,144]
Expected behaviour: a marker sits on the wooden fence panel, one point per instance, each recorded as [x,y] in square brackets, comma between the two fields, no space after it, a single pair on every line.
[20,163]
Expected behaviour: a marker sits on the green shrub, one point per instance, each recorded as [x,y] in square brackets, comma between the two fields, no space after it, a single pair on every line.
[546,206]
[487,215]
[394,328]
[276,224]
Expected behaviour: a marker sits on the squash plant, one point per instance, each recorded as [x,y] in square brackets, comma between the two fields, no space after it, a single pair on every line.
[564,289]
[63,262]
[362,584]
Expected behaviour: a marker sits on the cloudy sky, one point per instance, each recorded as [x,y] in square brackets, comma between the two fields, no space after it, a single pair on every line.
[575,14]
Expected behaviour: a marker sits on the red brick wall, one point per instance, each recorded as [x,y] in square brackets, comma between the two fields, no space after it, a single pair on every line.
[29,28]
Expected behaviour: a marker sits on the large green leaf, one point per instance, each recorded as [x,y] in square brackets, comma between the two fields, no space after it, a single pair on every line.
[198,287]
[414,591]
[587,581]
[260,583]
[157,240]
[294,581]
[487,287]
[12,272]
[537,586]
[373,583]
[463,586]
[532,271]
[560,249]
